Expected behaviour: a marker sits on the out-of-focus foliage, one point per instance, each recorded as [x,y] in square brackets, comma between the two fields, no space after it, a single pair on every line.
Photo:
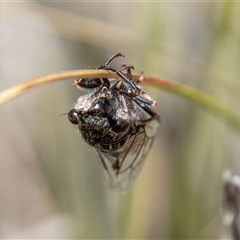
[51,184]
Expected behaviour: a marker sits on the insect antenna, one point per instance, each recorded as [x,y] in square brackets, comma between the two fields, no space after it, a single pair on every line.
[62,114]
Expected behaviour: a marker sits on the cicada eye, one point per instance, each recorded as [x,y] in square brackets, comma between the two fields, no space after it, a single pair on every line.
[121,126]
[73,116]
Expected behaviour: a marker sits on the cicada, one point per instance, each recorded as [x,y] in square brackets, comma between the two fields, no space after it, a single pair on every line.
[119,120]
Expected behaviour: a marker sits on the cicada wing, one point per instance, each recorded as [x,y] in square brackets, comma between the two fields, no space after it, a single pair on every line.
[123,167]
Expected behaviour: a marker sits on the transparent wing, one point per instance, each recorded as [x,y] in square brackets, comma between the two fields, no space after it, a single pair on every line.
[123,167]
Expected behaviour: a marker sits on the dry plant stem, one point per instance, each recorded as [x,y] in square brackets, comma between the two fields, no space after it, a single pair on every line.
[14,91]
[203,99]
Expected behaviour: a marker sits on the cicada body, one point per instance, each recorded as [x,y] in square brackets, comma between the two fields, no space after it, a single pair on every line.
[119,120]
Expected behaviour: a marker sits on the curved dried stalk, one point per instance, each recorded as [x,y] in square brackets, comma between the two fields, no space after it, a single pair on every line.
[205,100]
[14,91]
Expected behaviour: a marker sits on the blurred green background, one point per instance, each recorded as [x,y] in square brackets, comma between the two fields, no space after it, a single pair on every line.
[51,182]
